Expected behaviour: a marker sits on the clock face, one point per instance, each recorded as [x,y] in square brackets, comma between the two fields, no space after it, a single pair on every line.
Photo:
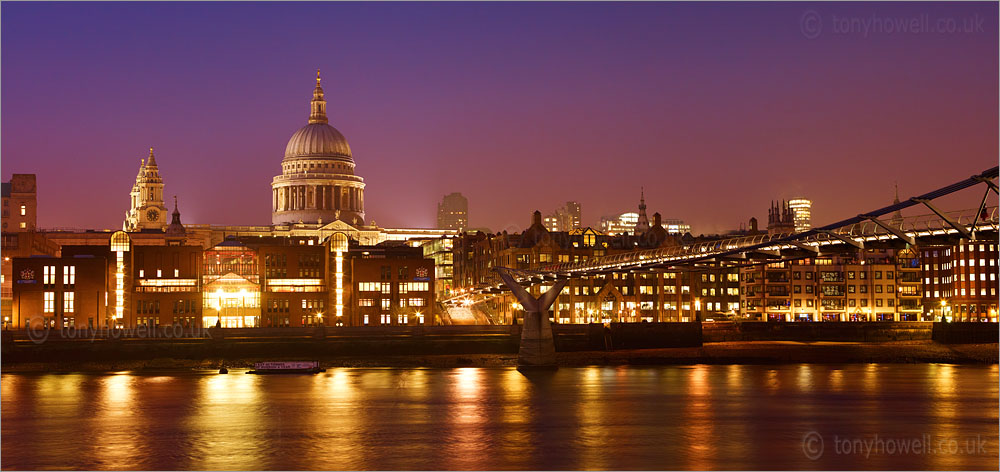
[152,215]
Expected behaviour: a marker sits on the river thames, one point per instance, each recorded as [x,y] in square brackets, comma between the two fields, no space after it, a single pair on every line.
[926,416]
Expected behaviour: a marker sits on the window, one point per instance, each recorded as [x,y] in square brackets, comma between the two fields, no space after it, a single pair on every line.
[386,303]
[69,275]
[366,302]
[177,272]
[878,275]
[24,210]
[50,302]
[23,225]
[49,275]
[368,287]
[69,299]
[417,302]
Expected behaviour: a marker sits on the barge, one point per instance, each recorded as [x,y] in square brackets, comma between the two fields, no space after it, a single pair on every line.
[301,367]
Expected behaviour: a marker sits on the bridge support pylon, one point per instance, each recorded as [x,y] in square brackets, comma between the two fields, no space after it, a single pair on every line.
[538,349]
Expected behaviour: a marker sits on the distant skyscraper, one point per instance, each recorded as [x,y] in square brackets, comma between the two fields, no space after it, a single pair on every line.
[453,212]
[801,213]
[574,212]
[565,218]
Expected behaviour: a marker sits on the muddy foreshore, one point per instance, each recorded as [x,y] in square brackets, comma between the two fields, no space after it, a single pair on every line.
[753,352]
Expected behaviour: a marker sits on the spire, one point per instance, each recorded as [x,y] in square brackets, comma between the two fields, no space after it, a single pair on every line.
[897,216]
[176,228]
[152,158]
[642,225]
[318,105]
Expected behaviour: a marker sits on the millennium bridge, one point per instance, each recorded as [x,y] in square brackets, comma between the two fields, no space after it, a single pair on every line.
[866,230]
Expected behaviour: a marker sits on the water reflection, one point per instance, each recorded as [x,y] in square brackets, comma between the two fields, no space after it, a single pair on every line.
[702,417]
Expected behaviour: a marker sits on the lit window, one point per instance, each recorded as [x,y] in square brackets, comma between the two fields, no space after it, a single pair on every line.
[49,275]
[142,273]
[69,299]
[23,225]
[177,272]
[159,273]
[24,211]
[69,275]
[50,302]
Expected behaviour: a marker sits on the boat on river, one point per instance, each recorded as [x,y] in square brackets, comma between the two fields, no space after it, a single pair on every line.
[294,367]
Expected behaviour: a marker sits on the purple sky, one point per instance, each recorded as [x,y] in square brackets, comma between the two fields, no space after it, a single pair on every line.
[715,108]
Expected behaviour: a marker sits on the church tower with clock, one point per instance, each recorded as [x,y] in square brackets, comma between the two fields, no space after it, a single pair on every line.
[147,210]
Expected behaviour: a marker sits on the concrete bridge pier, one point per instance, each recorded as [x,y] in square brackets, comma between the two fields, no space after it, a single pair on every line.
[537,349]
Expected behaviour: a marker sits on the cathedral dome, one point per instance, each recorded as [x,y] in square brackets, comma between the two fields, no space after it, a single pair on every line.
[317,140]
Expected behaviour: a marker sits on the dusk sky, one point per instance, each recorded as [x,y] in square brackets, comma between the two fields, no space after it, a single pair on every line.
[715,108]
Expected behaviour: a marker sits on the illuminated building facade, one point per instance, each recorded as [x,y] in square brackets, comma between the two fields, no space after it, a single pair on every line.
[675,226]
[621,224]
[19,235]
[391,284]
[682,295]
[565,218]
[231,286]
[960,281]
[440,251]
[60,292]
[846,287]
[20,203]
[801,214]
[317,182]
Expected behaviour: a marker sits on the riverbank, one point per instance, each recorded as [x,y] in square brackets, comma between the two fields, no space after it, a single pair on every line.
[743,352]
